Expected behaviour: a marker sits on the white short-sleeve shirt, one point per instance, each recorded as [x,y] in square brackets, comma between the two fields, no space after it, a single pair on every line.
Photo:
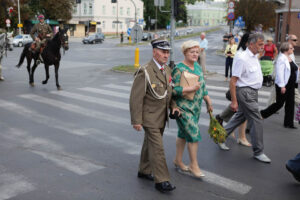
[248,70]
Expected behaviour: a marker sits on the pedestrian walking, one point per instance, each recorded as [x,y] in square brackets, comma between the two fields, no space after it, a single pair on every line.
[202,55]
[293,40]
[121,37]
[150,99]
[285,81]
[245,82]
[188,128]
[230,52]
[227,113]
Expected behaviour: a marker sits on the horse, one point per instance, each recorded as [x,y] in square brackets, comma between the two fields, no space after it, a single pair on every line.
[50,55]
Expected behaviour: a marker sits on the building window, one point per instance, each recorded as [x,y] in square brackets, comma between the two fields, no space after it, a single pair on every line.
[138,12]
[121,11]
[114,10]
[84,9]
[103,10]
[90,8]
[75,9]
[103,25]
[121,26]
[113,25]
[128,11]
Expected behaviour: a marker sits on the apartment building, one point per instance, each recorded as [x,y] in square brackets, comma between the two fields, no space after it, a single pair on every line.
[207,13]
[287,20]
[91,16]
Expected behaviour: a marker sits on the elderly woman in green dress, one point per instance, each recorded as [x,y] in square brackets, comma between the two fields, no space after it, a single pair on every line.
[188,128]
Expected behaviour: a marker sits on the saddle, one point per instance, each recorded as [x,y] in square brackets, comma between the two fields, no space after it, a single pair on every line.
[33,47]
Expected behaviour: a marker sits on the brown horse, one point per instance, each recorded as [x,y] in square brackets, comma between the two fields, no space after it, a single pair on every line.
[50,54]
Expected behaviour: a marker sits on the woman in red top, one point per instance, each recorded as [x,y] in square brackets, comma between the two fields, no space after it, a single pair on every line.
[270,49]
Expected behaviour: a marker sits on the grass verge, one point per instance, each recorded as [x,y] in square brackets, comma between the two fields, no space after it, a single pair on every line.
[124,68]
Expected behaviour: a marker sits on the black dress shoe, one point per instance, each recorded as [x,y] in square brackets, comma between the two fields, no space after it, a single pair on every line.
[165,186]
[291,127]
[146,176]
[219,119]
[296,176]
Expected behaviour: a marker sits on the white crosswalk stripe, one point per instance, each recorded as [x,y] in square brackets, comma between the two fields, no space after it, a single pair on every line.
[51,151]
[13,185]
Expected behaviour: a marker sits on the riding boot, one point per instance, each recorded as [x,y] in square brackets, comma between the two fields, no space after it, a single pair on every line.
[41,58]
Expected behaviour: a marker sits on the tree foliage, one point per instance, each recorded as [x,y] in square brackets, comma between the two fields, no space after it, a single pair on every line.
[163,18]
[52,9]
[256,12]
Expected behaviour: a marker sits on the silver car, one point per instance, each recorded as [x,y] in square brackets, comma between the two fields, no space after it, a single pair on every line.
[21,40]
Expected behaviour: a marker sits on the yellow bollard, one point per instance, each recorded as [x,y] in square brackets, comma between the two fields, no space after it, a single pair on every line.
[136,58]
[129,39]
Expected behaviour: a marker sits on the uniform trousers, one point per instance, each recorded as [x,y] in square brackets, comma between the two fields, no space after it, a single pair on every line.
[202,57]
[153,156]
[248,110]
[288,98]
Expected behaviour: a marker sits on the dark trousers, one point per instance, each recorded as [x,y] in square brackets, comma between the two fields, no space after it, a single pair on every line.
[294,165]
[228,66]
[288,98]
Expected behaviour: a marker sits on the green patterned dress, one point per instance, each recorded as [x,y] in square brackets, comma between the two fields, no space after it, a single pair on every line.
[188,127]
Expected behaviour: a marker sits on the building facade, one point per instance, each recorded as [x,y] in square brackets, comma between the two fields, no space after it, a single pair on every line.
[207,13]
[91,16]
[287,20]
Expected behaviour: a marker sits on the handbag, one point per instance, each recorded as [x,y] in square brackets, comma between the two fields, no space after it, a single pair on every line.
[228,95]
[188,79]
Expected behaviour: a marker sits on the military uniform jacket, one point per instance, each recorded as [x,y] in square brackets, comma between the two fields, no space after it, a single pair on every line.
[41,29]
[145,108]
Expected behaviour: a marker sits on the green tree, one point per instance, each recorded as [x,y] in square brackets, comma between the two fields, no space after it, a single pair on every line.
[256,12]
[163,18]
[59,10]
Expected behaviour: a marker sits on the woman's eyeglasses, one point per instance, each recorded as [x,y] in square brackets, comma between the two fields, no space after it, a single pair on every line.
[295,40]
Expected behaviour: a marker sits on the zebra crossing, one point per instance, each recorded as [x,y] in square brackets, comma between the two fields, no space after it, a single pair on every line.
[88,102]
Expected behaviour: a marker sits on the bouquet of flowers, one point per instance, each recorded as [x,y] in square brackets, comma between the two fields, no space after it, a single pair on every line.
[216,131]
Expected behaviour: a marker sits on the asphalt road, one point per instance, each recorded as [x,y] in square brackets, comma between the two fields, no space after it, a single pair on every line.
[78,144]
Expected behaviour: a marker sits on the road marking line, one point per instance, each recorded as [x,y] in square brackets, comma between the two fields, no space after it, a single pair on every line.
[77,109]
[106,92]
[208,87]
[126,96]
[52,151]
[221,181]
[42,119]
[12,185]
[101,101]
[260,93]
[126,146]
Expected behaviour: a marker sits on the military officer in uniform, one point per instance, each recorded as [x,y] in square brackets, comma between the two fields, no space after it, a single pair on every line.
[43,31]
[150,100]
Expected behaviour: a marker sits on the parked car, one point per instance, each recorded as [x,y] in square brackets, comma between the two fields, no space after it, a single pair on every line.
[21,40]
[146,36]
[93,39]
[189,31]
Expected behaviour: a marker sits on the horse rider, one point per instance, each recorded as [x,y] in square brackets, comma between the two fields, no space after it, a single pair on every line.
[44,32]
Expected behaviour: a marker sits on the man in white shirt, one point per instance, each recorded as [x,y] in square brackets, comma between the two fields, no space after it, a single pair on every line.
[292,39]
[202,56]
[245,82]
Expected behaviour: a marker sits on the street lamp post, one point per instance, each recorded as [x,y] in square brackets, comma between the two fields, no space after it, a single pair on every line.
[19,17]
